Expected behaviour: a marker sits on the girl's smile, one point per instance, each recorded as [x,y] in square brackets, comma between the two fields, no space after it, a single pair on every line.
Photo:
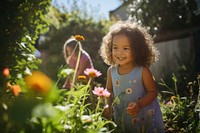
[121,50]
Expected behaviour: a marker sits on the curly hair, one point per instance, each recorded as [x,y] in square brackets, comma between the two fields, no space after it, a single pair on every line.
[142,46]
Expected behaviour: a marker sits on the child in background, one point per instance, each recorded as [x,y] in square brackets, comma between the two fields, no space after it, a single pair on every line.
[129,49]
[71,50]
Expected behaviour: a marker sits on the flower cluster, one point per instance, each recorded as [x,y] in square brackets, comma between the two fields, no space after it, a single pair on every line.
[16,89]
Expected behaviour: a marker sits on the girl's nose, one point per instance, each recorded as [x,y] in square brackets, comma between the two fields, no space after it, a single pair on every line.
[119,52]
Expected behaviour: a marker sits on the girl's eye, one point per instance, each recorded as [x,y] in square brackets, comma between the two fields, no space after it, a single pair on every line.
[126,48]
[114,47]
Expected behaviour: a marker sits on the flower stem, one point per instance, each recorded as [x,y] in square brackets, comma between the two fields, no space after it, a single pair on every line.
[85,93]
[77,64]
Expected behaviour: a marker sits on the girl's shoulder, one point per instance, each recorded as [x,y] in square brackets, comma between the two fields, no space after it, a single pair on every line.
[85,55]
[111,69]
[145,69]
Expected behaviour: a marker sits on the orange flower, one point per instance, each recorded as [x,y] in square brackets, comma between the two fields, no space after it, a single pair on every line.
[79,38]
[39,82]
[6,72]
[16,89]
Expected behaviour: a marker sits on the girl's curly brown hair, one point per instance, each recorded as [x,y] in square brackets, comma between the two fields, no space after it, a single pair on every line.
[142,46]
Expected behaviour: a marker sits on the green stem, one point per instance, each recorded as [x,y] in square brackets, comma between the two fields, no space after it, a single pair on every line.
[57,81]
[77,64]
[85,93]
[97,107]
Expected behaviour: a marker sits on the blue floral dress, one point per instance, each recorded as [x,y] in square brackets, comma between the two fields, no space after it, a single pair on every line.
[127,88]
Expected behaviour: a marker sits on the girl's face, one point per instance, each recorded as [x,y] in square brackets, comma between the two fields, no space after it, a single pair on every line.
[69,50]
[121,50]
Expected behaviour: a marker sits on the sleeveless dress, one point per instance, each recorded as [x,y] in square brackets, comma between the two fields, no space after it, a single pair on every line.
[129,87]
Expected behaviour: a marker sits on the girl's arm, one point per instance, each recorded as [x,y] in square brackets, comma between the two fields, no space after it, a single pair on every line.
[150,86]
[108,111]
[151,93]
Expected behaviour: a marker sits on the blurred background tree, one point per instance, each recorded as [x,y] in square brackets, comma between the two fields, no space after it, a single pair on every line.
[163,16]
[21,23]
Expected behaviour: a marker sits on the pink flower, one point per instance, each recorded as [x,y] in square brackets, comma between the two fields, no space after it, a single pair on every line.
[91,72]
[169,103]
[101,92]
[106,93]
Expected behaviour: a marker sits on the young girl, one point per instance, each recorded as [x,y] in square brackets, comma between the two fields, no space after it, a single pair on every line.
[129,49]
[71,50]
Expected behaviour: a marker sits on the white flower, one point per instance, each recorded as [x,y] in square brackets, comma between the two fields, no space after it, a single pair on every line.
[68,71]
[64,108]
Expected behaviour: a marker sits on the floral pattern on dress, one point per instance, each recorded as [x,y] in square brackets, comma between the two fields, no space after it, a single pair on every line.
[129,91]
[135,120]
[117,82]
[151,112]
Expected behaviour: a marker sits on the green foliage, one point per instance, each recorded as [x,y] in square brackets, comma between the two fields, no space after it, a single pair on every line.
[165,15]
[21,23]
[180,113]
[43,107]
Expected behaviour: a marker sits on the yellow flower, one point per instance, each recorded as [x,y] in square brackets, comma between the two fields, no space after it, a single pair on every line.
[173,97]
[82,78]
[39,82]
[79,38]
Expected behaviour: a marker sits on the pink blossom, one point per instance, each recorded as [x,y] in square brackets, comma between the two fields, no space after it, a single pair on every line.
[101,92]
[106,93]
[169,103]
[91,72]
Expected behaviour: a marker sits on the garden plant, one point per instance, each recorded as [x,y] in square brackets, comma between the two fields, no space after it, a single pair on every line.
[36,104]
[181,113]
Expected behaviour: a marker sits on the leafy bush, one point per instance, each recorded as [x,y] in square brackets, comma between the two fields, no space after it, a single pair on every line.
[181,113]
[39,106]
[22,22]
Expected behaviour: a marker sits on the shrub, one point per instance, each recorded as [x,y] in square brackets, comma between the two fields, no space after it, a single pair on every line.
[181,113]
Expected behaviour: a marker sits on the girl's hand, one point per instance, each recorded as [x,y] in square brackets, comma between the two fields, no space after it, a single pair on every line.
[133,108]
